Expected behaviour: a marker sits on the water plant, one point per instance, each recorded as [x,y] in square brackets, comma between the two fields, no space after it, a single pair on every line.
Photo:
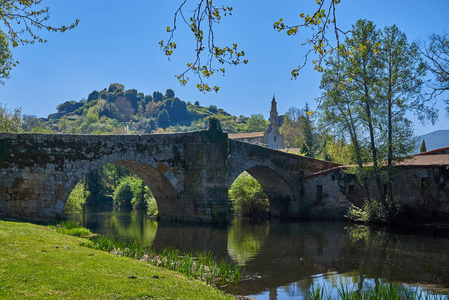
[387,291]
[372,211]
[318,293]
[202,266]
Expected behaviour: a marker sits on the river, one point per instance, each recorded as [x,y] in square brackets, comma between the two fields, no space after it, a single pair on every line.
[282,260]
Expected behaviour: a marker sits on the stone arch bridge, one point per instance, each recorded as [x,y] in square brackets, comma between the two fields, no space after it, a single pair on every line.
[188,173]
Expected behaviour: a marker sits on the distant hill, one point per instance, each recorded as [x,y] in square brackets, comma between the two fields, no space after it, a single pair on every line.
[434,140]
[116,110]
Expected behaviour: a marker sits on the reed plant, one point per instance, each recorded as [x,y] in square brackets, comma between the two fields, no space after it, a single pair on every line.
[318,293]
[202,266]
[384,291]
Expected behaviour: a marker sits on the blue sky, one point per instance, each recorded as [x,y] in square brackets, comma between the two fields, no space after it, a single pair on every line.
[117,41]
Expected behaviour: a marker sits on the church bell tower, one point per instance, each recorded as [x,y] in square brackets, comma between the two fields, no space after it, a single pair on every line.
[273,113]
[272,136]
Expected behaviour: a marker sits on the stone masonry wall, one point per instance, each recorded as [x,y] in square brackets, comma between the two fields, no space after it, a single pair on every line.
[423,191]
[280,174]
[325,195]
[188,173]
[38,171]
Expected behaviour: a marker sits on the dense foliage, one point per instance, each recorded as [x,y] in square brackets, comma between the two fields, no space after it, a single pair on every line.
[248,198]
[6,60]
[131,191]
[369,86]
[77,198]
[10,121]
[112,185]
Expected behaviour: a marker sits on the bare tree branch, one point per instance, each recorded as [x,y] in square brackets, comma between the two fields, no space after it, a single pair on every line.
[437,54]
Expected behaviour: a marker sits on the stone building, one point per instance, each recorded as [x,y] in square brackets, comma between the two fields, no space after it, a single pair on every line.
[271,137]
[421,182]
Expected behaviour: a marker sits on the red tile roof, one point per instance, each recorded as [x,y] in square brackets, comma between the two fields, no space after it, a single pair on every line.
[426,160]
[417,161]
[445,149]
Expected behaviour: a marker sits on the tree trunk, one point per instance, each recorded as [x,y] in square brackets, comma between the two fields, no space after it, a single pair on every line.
[373,149]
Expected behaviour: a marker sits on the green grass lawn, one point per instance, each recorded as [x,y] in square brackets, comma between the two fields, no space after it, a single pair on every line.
[37,262]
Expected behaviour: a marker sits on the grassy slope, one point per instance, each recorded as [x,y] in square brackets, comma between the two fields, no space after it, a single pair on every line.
[36,262]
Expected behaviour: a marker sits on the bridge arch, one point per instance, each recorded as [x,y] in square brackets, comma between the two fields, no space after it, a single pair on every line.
[278,189]
[38,171]
[164,181]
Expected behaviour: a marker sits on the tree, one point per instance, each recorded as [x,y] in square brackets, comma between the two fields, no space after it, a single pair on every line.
[21,20]
[371,83]
[116,87]
[152,109]
[77,198]
[306,127]
[290,127]
[319,42]
[213,109]
[148,99]
[339,111]
[95,186]
[163,118]
[69,106]
[256,123]
[133,98]
[248,197]
[157,96]
[336,150]
[298,130]
[123,109]
[176,108]
[10,121]
[363,69]
[401,89]
[6,60]
[123,193]
[169,93]
[423,147]
[94,95]
[437,54]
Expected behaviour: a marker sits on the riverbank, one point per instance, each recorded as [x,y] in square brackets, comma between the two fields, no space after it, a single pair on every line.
[37,262]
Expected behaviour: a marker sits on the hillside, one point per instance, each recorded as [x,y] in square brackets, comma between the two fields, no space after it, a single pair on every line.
[434,140]
[116,110]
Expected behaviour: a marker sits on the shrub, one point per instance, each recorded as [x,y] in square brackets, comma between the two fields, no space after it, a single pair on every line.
[151,206]
[71,228]
[123,193]
[373,211]
[133,192]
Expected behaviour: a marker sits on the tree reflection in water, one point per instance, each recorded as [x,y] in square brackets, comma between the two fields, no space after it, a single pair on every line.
[284,259]
[245,239]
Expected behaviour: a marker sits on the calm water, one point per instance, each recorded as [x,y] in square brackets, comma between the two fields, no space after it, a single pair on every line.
[283,260]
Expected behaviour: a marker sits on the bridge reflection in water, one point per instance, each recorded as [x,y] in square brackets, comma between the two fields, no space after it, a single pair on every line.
[283,260]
